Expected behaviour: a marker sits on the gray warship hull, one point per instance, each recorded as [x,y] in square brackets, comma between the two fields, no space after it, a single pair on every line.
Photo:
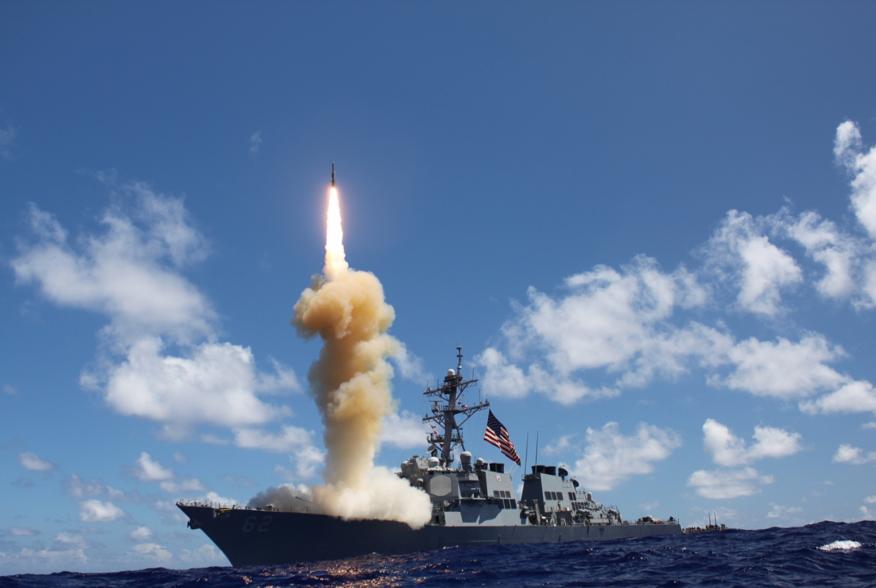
[257,537]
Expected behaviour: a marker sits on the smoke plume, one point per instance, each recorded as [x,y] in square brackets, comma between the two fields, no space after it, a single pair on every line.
[351,384]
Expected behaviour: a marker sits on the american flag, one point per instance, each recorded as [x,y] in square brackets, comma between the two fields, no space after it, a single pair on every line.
[496,434]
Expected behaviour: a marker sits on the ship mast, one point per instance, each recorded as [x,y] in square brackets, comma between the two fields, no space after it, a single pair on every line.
[444,410]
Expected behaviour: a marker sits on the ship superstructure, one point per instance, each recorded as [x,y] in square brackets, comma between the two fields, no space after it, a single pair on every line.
[473,502]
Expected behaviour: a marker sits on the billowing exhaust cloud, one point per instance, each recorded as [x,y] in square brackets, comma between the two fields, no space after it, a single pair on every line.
[351,385]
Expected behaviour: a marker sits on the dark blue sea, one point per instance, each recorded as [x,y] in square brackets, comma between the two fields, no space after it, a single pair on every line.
[823,554]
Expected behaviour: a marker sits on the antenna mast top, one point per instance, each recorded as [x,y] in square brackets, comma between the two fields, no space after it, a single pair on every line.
[444,411]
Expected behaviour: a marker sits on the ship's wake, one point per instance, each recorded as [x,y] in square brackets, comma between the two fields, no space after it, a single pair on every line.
[351,385]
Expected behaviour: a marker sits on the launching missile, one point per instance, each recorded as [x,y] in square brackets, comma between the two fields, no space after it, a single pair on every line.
[333,173]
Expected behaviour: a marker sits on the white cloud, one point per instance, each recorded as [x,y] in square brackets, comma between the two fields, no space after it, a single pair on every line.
[856,396]
[868,300]
[204,556]
[777,511]
[502,378]
[282,379]
[187,485]
[70,539]
[150,470]
[772,442]
[563,443]
[870,499]
[78,488]
[141,534]
[404,430]
[610,320]
[216,384]
[131,271]
[33,462]
[728,450]
[783,368]
[213,498]
[846,453]
[611,457]
[97,511]
[847,143]
[290,439]
[7,141]
[255,143]
[153,551]
[739,250]
[410,366]
[861,163]
[727,484]
[827,245]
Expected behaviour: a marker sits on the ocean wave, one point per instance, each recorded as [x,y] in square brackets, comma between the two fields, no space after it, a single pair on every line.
[768,557]
[842,545]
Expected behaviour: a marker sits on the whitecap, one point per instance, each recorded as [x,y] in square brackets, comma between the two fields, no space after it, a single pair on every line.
[845,545]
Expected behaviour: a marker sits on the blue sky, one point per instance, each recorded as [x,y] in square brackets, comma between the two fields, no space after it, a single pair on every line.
[650,226]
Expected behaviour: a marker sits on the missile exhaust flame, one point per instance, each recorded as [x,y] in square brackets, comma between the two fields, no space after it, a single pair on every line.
[351,385]
[335,257]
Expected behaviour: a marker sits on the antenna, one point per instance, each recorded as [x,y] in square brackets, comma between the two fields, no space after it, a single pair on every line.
[536,448]
[526,459]
[447,404]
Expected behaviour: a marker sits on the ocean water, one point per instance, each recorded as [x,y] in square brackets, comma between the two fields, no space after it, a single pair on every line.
[823,554]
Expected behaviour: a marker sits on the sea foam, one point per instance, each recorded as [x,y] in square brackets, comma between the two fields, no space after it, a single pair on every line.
[845,545]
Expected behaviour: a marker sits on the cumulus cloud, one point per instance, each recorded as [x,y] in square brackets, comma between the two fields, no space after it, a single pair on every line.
[856,396]
[861,163]
[777,511]
[782,368]
[620,326]
[563,443]
[128,271]
[611,457]
[846,453]
[33,462]
[605,319]
[216,384]
[403,429]
[296,441]
[141,534]
[180,486]
[741,251]
[159,359]
[153,551]
[727,449]
[729,483]
[150,470]
[826,244]
[98,511]
[409,365]
[79,488]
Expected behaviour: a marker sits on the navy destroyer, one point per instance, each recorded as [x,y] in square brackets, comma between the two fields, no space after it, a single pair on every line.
[473,503]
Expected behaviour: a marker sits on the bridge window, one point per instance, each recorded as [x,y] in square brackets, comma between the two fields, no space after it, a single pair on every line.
[469,489]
